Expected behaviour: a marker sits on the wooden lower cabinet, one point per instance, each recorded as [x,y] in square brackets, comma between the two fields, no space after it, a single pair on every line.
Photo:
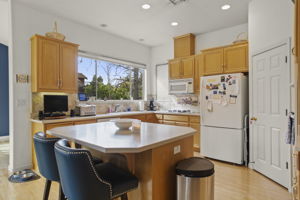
[181,124]
[184,120]
[169,122]
[179,118]
[159,116]
[196,136]
[139,117]
[91,121]
[55,125]
[151,118]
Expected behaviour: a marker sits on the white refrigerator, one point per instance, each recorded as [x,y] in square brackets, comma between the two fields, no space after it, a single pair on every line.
[224,109]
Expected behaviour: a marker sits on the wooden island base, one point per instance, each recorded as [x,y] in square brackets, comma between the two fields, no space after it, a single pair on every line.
[155,168]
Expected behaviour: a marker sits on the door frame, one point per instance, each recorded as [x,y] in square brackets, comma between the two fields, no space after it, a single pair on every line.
[291,87]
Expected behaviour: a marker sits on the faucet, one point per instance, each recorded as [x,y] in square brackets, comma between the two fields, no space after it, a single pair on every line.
[116,107]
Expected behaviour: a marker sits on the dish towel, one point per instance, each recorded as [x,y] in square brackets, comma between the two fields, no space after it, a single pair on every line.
[290,135]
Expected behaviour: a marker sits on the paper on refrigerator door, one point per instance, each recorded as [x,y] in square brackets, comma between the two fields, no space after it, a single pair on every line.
[216,98]
[224,101]
[209,106]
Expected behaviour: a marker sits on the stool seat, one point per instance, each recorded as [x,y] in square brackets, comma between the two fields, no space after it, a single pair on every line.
[121,181]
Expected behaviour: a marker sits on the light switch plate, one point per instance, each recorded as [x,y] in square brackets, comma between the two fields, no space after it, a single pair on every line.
[177,149]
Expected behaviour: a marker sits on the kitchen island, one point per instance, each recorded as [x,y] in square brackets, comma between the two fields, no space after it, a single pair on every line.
[151,153]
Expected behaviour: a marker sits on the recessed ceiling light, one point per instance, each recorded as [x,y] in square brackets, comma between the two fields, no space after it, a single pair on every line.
[174,23]
[225,7]
[103,25]
[146,6]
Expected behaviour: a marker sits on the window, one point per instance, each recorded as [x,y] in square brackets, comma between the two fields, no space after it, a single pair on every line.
[110,81]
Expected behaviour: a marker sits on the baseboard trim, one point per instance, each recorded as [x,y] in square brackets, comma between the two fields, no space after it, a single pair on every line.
[4,138]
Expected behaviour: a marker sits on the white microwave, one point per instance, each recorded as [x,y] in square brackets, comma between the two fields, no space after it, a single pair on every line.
[181,86]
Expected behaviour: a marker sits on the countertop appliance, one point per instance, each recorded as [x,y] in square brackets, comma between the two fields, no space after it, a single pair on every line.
[85,110]
[224,110]
[181,86]
[151,105]
[55,105]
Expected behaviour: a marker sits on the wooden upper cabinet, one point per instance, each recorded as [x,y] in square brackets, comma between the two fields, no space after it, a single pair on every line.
[175,69]
[198,72]
[226,59]
[184,45]
[48,62]
[213,61]
[182,68]
[236,58]
[53,65]
[188,65]
[68,63]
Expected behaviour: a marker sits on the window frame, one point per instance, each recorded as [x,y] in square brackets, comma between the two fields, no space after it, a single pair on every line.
[128,64]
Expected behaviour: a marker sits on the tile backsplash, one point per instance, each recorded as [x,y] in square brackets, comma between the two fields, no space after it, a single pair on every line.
[38,102]
[183,102]
[103,107]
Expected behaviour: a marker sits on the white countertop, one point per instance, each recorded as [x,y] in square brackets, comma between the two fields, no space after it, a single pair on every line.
[107,138]
[108,115]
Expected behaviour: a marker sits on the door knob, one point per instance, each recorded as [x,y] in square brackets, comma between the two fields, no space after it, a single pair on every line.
[253,119]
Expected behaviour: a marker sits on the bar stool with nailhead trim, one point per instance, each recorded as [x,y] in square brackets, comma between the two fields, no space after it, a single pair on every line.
[83,180]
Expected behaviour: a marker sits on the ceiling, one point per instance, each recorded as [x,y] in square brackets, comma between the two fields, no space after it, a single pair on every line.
[127,19]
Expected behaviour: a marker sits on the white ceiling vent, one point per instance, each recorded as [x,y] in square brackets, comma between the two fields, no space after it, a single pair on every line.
[175,2]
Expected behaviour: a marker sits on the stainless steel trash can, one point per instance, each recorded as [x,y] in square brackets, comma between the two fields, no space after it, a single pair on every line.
[195,179]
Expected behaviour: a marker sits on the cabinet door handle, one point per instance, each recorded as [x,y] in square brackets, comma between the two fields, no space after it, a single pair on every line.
[58,83]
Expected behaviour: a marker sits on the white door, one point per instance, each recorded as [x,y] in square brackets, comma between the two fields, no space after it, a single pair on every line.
[270,105]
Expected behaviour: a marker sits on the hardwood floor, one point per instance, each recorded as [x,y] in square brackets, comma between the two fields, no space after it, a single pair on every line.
[231,183]
[241,183]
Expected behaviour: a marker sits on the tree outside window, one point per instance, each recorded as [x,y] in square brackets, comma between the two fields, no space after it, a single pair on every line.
[109,81]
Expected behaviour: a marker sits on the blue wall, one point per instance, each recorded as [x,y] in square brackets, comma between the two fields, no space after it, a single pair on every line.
[4,112]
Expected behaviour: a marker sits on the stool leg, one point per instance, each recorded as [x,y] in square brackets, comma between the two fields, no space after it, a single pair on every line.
[124,197]
[47,189]
[61,194]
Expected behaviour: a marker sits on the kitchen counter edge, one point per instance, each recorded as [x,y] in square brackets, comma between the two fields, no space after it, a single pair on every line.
[108,115]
